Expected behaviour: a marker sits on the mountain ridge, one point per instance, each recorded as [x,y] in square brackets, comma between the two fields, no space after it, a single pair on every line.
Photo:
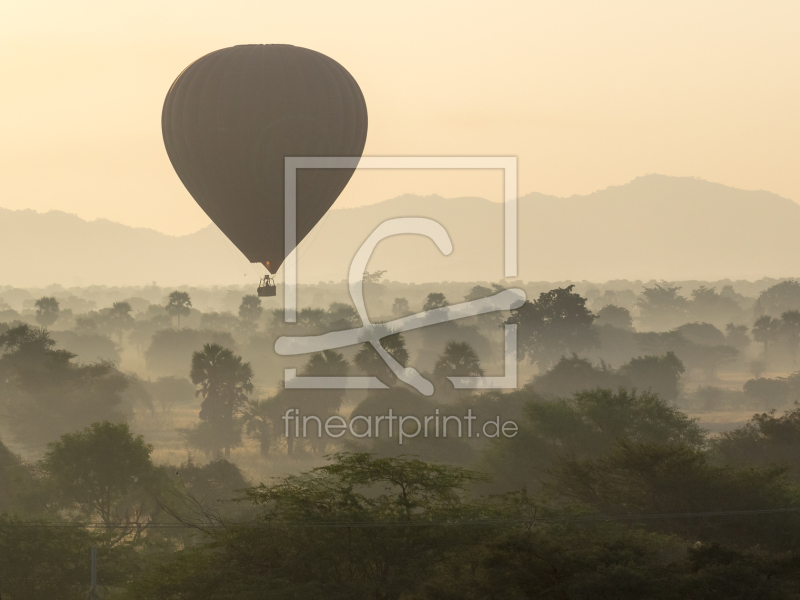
[654,226]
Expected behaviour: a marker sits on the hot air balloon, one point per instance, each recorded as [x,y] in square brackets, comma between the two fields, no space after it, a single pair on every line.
[232,117]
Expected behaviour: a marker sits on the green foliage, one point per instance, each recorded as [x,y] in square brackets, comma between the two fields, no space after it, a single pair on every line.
[767,439]
[588,424]
[649,478]
[102,472]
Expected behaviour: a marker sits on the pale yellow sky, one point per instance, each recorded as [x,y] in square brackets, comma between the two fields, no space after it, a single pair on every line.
[586,94]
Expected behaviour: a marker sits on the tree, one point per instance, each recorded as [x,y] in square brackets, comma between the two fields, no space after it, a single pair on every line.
[179,305]
[224,381]
[261,419]
[171,349]
[369,361]
[778,299]
[46,311]
[458,360]
[400,307]
[556,324]
[661,374]
[250,309]
[44,394]
[790,331]
[662,307]
[479,291]
[616,316]
[374,277]
[435,300]
[119,318]
[765,331]
[325,402]
[574,374]
[102,471]
[736,336]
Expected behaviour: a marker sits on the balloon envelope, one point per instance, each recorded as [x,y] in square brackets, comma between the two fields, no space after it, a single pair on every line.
[231,118]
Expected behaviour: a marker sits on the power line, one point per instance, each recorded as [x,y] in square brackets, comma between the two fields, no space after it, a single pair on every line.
[431,523]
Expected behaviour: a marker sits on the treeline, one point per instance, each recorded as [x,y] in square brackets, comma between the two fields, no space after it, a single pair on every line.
[602,494]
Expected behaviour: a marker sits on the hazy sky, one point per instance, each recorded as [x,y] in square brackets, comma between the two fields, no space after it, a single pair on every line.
[586,94]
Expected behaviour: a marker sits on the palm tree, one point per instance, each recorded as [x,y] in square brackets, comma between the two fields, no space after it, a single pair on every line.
[764,331]
[370,362]
[324,403]
[46,311]
[259,418]
[179,304]
[458,360]
[250,309]
[224,382]
[119,318]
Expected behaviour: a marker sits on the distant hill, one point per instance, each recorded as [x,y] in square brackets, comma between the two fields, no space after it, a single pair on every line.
[655,227]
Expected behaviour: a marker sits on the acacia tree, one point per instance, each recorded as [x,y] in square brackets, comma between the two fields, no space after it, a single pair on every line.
[224,381]
[178,305]
[250,309]
[555,325]
[46,311]
[102,471]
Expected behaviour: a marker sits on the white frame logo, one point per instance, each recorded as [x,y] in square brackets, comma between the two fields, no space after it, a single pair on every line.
[368,332]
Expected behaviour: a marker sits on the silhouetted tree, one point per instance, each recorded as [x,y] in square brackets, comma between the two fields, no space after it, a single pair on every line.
[400,307]
[661,306]
[574,374]
[179,305]
[736,335]
[101,471]
[458,360]
[435,300]
[250,309]
[616,316]
[661,374]
[46,311]
[778,299]
[370,362]
[765,331]
[556,324]
[224,381]
[261,418]
[43,394]
[119,319]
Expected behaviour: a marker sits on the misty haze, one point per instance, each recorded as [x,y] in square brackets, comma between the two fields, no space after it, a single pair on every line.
[604,405]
